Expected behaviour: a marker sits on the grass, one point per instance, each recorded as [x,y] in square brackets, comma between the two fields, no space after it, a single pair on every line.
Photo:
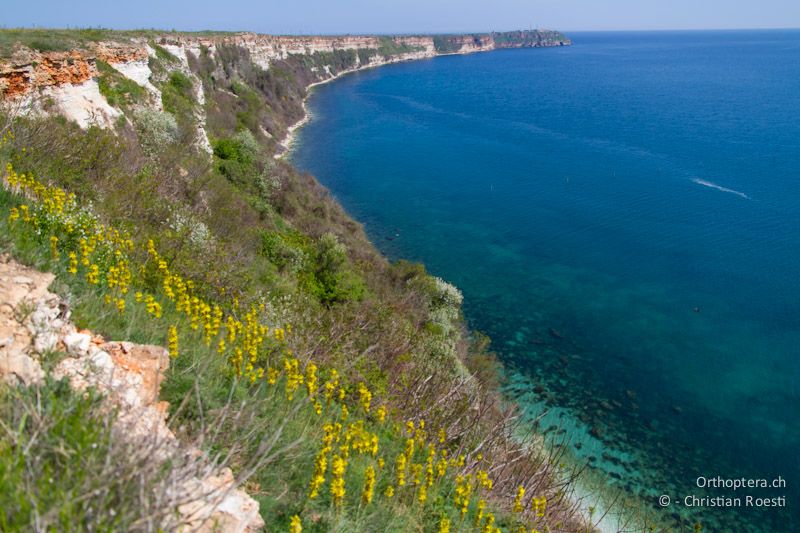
[120,91]
[388,47]
[241,225]
[270,437]
[64,465]
[62,40]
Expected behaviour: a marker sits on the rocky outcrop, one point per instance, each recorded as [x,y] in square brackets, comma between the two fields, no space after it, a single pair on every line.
[27,70]
[34,322]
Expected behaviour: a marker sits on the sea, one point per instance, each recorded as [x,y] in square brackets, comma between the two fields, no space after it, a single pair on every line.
[623,218]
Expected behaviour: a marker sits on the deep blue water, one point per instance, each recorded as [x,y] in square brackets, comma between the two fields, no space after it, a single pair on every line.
[623,217]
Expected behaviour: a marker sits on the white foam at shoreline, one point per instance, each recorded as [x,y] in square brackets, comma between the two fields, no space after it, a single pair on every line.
[720,188]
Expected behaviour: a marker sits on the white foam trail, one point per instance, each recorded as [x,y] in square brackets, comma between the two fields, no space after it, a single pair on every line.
[720,188]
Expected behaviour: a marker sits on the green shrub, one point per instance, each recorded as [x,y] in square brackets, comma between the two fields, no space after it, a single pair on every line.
[177,97]
[156,129]
[238,159]
[279,249]
[331,279]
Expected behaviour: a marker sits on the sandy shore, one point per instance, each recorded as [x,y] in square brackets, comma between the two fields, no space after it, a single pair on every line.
[291,133]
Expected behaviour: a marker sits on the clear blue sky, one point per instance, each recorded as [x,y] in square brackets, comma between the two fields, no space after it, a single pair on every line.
[401,16]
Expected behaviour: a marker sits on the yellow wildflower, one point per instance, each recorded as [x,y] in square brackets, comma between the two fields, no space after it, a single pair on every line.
[172,340]
[518,499]
[73,263]
[295,526]
[364,397]
[539,505]
[400,467]
[369,485]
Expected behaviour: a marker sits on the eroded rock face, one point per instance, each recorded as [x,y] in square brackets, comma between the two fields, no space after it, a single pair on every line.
[66,82]
[34,321]
[29,68]
[28,315]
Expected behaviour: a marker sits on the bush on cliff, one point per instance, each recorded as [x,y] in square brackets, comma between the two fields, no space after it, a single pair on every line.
[296,258]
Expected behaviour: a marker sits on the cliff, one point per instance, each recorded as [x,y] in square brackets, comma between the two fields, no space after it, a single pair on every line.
[129,375]
[342,392]
[67,79]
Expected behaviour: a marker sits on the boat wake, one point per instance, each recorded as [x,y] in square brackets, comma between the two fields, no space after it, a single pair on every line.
[720,188]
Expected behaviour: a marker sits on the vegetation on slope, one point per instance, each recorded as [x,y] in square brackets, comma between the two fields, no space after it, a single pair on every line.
[343,390]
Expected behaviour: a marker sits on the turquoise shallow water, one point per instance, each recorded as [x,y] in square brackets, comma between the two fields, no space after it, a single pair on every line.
[623,217]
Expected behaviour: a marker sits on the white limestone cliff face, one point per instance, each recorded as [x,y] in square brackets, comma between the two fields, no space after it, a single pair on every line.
[65,82]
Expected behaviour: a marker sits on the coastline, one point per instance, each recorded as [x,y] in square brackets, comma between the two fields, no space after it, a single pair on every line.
[285,144]
[603,514]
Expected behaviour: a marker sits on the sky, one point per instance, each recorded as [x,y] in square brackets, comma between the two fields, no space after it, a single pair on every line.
[401,16]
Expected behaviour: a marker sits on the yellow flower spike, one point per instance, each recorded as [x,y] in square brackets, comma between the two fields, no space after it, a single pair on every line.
[172,340]
[422,494]
[400,470]
[373,445]
[311,378]
[364,397]
[93,275]
[539,505]
[441,467]
[73,263]
[409,451]
[444,525]
[338,466]
[389,492]
[13,215]
[221,346]
[518,499]
[121,305]
[369,485]
[380,414]
[489,525]
[479,508]
[295,525]
[416,472]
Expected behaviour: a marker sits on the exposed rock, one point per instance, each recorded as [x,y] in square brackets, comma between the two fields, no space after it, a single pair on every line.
[77,343]
[25,306]
[33,321]
[219,507]
[68,79]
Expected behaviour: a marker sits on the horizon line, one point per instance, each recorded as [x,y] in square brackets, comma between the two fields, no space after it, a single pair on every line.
[405,33]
